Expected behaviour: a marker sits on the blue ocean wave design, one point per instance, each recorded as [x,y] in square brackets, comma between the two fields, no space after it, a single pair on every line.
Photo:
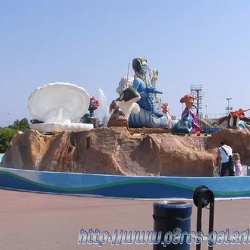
[129,187]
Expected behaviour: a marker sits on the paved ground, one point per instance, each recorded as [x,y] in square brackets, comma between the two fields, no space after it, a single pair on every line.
[34,221]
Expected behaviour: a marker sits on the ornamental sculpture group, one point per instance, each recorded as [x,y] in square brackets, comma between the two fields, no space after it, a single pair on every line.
[61,106]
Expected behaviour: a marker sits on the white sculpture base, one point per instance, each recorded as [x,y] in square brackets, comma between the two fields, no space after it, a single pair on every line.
[53,128]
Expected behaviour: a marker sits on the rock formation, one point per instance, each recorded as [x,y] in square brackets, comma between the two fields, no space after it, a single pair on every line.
[117,150]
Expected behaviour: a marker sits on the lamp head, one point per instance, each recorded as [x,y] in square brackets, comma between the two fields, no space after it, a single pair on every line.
[203,195]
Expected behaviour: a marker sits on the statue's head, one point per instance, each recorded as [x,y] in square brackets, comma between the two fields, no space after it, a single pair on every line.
[188,100]
[140,66]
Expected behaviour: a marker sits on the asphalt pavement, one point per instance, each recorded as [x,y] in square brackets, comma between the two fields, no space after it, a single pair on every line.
[35,221]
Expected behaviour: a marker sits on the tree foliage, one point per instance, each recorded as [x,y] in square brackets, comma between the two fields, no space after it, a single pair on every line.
[22,125]
[6,134]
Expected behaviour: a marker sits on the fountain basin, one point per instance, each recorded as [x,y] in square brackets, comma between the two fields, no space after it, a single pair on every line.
[140,187]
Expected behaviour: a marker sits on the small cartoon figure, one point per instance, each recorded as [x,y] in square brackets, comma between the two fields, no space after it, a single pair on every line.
[189,122]
[166,111]
[235,119]
[93,105]
[122,107]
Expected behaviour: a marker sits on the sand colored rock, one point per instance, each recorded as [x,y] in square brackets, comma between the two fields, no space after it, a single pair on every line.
[117,150]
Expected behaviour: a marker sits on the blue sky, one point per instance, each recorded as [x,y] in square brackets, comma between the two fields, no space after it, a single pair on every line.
[89,43]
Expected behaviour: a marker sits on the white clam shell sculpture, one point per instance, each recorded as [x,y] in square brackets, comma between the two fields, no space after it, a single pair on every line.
[59,105]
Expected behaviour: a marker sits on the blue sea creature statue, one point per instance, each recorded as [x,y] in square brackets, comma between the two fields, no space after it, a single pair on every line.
[150,115]
[147,101]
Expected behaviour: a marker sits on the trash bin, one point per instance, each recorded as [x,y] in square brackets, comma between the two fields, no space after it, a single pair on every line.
[172,219]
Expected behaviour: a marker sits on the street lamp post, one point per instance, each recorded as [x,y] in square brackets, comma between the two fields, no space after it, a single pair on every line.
[206,112]
[228,108]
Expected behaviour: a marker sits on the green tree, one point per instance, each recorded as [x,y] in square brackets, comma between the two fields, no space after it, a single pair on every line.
[22,125]
[6,135]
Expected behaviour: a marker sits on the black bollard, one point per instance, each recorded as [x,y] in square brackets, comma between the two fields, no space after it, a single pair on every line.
[172,219]
[202,197]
